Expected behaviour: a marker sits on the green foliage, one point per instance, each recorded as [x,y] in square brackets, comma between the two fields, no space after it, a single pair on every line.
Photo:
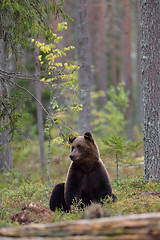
[18,18]
[116,108]
[27,182]
[50,54]
[61,76]
[112,120]
[134,196]
[131,192]
[59,11]
[21,20]
[118,146]
[13,108]
[58,76]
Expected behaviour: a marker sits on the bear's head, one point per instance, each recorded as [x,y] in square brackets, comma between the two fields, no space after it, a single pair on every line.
[83,148]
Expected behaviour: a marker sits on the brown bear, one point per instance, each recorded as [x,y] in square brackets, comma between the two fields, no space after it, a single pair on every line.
[87,179]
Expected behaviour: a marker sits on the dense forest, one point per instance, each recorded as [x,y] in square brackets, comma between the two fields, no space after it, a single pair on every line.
[73,67]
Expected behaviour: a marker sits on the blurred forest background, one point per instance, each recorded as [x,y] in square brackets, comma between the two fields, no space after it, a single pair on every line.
[106,40]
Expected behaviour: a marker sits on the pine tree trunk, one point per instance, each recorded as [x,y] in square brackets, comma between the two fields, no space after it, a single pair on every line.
[101,59]
[128,68]
[84,63]
[5,154]
[150,67]
[68,33]
[120,39]
[139,84]
[92,40]
[112,43]
[39,109]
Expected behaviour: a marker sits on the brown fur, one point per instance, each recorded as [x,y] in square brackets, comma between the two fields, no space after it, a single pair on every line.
[87,179]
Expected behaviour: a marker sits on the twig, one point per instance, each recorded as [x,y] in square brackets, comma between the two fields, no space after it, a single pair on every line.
[49,137]
[117,165]
[49,147]
[25,89]
[21,76]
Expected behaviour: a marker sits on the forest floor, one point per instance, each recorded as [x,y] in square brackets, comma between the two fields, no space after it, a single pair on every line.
[25,190]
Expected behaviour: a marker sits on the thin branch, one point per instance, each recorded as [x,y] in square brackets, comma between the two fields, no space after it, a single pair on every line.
[44,73]
[49,147]
[25,89]
[20,75]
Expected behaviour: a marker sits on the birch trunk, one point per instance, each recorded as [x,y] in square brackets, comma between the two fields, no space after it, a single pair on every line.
[150,59]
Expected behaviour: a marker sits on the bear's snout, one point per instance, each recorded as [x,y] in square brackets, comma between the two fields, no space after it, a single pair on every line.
[71,156]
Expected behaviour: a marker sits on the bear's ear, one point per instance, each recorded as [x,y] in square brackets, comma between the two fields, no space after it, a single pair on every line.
[88,136]
[71,138]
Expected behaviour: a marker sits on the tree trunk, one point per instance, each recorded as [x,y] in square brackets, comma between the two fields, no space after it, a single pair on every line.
[84,63]
[112,43]
[39,109]
[101,55]
[120,39]
[132,227]
[128,68]
[139,84]
[92,42]
[150,67]
[68,33]
[5,153]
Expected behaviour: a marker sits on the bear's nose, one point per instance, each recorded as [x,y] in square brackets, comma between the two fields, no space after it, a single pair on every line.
[71,156]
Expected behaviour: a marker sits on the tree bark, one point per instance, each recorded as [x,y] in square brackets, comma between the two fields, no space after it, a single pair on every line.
[128,68]
[138,61]
[101,51]
[140,227]
[5,153]
[150,67]
[39,109]
[112,43]
[120,39]
[68,33]
[84,63]
[92,40]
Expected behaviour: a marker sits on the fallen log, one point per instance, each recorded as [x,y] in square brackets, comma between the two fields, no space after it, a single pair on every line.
[130,227]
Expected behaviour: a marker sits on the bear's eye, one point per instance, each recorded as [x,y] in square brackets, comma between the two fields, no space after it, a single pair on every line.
[72,148]
[79,147]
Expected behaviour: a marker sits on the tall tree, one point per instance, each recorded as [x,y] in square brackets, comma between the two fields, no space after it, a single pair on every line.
[128,67]
[84,63]
[112,43]
[101,51]
[92,39]
[39,109]
[120,39]
[150,60]
[5,146]
[138,68]
[68,34]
